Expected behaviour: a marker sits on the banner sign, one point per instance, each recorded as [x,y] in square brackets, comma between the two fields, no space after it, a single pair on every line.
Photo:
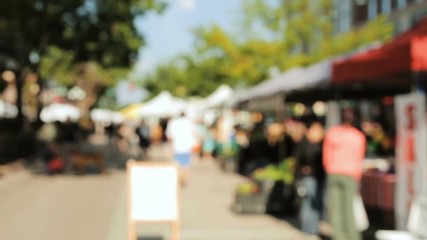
[411,154]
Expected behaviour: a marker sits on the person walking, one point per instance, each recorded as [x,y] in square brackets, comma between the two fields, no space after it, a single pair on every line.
[143,133]
[181,132]
[311,175]
[344,151]
[208,144]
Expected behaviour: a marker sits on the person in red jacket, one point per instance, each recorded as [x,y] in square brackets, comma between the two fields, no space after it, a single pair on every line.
[343,153]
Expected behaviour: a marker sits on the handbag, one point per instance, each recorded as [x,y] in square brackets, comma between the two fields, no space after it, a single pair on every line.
[360,215]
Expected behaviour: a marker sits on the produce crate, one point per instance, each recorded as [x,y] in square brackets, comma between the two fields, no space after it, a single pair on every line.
[378,189]
[370,187]
[228,164]
[254,202]
[386,191]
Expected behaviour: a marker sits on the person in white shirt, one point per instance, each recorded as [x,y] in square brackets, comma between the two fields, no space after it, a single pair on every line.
[181,133]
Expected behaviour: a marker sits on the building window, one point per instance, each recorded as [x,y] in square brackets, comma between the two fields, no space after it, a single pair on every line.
[394,5]
[346,10]
[409,2]
[344,15]
[386,6]
[360,13]
[418,16]
[372,9]
[401,4]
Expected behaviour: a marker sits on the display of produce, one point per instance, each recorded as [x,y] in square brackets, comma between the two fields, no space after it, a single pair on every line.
[247,188]
[285,172]
[253,196]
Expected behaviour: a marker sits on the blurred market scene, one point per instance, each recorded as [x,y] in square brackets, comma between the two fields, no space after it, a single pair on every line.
[284,119]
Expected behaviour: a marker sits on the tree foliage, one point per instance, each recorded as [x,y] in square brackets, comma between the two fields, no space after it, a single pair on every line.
[277,36]
[65,40]
[94,30]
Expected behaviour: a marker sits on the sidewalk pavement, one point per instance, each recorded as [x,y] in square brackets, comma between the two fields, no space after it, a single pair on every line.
[35,207]
[11,168]
[206,213]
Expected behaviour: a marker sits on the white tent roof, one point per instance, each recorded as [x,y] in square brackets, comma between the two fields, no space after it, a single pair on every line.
[220,96]
[59,112]
[106,116]
[294,79]
[272,86]
[163,105]
[313,75]
[195,107]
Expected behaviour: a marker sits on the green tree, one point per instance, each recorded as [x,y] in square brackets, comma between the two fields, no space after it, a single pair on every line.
[59,66]
[71,31]
[278,35]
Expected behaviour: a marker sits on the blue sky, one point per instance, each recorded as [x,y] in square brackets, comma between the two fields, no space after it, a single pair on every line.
[169,34]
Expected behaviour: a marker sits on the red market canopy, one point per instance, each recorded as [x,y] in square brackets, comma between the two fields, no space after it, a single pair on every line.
[406,53]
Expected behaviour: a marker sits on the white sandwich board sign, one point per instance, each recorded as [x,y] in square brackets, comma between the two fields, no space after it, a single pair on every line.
[153,195]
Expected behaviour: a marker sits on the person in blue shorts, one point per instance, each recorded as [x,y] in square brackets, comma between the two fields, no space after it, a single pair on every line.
[181,132]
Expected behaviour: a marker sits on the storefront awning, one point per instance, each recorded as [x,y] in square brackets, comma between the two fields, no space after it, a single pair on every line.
[405,54]
[294,79]
[269,87]
[347,92]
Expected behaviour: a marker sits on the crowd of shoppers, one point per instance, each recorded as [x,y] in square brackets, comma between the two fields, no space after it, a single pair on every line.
[328,165]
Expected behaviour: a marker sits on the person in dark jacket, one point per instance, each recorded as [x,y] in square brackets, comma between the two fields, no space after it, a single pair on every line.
[311,175]
[143,133]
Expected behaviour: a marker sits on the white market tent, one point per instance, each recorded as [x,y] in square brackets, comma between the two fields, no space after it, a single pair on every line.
[163,105]
[195,108]
[220,97]
[59,112]
[105,116]
[269,95]
[272,86]
[312,76]
[294,79]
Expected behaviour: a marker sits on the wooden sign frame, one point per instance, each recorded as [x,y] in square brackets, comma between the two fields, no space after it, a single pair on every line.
[174,223]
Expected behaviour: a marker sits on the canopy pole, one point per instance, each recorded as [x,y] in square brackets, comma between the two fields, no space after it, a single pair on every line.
[281,115]
[280,107]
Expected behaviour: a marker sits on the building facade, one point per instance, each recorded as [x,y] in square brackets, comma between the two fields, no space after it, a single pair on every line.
[349,14]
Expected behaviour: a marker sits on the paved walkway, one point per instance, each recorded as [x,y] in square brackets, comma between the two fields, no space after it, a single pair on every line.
[35,207]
